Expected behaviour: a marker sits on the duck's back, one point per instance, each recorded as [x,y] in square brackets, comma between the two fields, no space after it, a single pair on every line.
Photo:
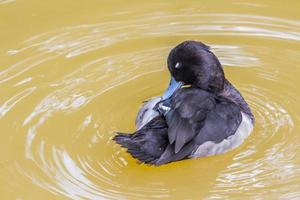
[218,123]
[200,119]
[211,117]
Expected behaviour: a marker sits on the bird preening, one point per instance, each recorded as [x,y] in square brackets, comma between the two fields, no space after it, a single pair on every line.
[208,116]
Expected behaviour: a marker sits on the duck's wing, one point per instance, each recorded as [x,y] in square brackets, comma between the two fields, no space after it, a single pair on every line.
[189,109]
[220,123]
[197,116]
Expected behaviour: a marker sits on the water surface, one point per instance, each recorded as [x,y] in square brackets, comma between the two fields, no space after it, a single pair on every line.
[74,72]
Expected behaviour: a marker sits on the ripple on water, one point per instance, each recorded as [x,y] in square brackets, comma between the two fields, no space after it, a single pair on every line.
[250,173]
[6,1]
[77,40]
[83,176]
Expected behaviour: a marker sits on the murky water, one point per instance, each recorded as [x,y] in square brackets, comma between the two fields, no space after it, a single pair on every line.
[74,72]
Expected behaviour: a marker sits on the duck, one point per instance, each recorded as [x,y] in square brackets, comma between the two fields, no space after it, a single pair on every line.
[200,114]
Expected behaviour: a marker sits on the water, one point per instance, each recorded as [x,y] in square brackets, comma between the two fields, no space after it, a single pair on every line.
[74,72]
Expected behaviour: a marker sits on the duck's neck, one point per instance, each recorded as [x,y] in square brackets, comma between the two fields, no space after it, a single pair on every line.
[231,93]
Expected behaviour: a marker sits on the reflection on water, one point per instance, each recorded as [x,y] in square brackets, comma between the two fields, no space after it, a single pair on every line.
[66,90]
[6,1]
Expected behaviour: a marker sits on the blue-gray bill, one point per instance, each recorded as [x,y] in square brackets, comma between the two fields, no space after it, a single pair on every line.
[172,88]
[164,105]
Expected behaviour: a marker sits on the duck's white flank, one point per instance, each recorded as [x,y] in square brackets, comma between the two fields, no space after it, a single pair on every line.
[210,148]
[146,113]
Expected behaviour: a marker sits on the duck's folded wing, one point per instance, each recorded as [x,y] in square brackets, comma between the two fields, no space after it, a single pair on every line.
[195,119]
[188,111]
[220,123]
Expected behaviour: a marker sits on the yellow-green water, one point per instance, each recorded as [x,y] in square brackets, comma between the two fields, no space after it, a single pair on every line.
[74,72]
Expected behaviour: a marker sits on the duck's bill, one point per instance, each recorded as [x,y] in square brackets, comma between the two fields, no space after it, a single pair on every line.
[173,87]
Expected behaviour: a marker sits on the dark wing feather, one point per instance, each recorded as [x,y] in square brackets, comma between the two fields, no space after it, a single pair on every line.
[189,108]
[177,126]
[220,123]
[170,156]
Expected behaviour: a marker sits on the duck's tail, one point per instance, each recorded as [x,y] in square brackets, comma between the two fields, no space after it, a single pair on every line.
[147,144]
[122,139]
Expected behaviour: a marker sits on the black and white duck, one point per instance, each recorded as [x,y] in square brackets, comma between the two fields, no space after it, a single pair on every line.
[200,114]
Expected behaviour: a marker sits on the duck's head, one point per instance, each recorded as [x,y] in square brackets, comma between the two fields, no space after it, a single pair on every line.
[192,63]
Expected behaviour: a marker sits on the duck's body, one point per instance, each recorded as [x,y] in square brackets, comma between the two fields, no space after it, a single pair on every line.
[208,118]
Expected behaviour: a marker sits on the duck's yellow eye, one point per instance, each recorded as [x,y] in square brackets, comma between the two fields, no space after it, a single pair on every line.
[178,65]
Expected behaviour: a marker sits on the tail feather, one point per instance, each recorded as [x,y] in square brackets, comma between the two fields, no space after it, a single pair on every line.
[146,144]
[122,139]
[135,147]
